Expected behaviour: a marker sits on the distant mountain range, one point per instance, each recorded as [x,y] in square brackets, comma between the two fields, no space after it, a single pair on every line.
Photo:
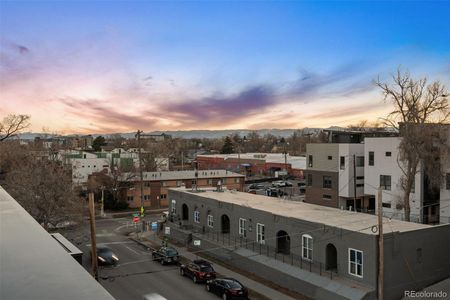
[189,134]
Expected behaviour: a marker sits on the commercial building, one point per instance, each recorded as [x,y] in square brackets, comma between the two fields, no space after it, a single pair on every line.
[250,164]
[321,252]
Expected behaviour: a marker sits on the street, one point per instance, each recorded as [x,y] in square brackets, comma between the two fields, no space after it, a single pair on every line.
[136,276]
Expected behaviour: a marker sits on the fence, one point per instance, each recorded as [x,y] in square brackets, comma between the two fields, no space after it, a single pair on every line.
[225,240]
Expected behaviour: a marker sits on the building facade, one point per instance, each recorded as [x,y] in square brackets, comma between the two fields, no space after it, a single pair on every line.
[344,242]
[157,184]
[384,169]
[335,176]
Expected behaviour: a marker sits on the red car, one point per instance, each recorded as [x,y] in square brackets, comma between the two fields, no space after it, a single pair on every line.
[198,270]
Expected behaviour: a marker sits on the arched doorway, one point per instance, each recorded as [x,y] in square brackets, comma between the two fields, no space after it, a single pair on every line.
[331,257]
[283,242]
[185,210]
[225,224]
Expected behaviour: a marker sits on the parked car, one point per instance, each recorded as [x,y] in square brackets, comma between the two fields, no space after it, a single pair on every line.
[256,186]
[198,271]
[106,256]
[281,183]
[166,255]
[227,288]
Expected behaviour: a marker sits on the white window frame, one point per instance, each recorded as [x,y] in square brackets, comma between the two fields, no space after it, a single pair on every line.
[196,216]
[210,221]
[308,247]
[242,227]
[174,206]
[260,234]
[356,263]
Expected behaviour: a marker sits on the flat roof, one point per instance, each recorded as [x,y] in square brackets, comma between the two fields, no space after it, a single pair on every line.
[181,175]
[297,162]
[33,265]
[344,219]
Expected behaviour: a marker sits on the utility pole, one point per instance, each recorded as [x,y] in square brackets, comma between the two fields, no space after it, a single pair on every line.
[94,258]
[182,161]
[354,182]
[138,135]
[102,211]
[380,246]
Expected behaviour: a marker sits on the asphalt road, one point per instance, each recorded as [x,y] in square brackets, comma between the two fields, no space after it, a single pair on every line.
[136,276]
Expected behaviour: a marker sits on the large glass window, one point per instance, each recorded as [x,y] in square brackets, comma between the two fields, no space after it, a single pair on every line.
[385,182]
[242,227]
[327,182]
[360,161]
[310,161]
[355,262]
[307,247]
[260,233]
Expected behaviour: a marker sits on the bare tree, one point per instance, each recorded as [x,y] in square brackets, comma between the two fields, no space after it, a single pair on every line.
[119,177]
[44,188]
[420,110]
[11,125]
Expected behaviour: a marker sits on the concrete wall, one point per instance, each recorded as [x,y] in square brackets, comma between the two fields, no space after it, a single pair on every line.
[385,165]
[406,268]
[320,153]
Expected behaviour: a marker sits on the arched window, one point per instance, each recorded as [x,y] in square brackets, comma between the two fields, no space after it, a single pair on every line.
[307,247]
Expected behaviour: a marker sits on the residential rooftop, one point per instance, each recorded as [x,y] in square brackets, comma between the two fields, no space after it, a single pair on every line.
[184,175]
[349,220]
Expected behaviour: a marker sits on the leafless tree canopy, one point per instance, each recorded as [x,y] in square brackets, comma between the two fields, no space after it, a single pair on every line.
[415,101]
[44,188]
[13,124]
[421,113]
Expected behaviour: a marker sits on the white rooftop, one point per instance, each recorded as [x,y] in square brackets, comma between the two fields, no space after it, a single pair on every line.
[182,175]
[297,162]
[344,219]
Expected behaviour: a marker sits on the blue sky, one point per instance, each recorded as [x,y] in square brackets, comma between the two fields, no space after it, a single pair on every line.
[196,65]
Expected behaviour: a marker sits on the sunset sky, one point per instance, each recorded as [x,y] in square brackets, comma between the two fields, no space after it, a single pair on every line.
[112,66]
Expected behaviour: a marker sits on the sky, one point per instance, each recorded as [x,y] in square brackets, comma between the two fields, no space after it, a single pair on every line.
[119,66]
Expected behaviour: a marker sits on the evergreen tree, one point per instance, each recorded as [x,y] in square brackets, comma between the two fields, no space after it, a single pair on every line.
[98,143]
[227,147]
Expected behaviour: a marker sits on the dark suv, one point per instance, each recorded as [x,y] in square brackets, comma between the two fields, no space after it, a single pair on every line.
[166,255]
[198,270]
[227,288]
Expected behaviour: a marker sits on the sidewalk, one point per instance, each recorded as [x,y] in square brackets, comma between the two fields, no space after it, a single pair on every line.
[251,284]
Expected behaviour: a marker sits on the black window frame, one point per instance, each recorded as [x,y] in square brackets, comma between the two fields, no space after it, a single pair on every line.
[371,158]
[383,182]
[309,179]
[327,182]
[342,163]
[310,161]
[360,161]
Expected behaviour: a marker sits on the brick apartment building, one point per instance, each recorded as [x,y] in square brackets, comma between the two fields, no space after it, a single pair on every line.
[156,185]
